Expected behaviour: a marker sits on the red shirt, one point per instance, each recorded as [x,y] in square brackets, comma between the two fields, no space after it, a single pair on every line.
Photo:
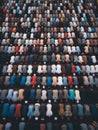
[10,29]
[42,127]
[18,110]
[70,81]
[39,29]
[60,41]
[73,68]
[37,48]
[34,81]
[53,48]
[66,35]
[17,49]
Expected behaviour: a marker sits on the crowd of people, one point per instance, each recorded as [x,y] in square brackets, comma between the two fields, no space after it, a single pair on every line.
[49,64]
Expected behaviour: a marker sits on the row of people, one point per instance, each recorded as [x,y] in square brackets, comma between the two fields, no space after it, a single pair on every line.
[38,94]
[58,36]
[69,30]
[36,110]
[62,9]
[49,81]
[42,94]
[76,125]
[53,58]
[50,69]
[50,41]
[48,49]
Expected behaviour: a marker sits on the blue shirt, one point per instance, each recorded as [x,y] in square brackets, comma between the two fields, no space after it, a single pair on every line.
[49,81]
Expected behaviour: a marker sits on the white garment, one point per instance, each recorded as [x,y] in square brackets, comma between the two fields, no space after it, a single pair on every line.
[58,69]
[74,24]
[96,68]
[87,69]
[71,23]
[29,71]
[60,82]
[24,36]
[21,50]
[84,35]
[32,30]
[73,35]
[36,24]
[89,29]
[6,35]
[3,29]
[28,19]
[17,35]
[69,35]
[28,80]
[82,29]
[77,95]
[30,41]
[79,9]
[53,68]
[62,35]
[48,35]
[14,11]
[13,35]
[12,60]
[10,94]
[9,49]
[80,58]
[73,49]
[93,59]
[15,96]
[73,19]
[44,69]
[49,110]
[44,95]
[45,49]
[9,70]
[68,29]
[56,42]
[27,42]
[92,69]
[19,69]
[19,41]
[21,19]
[39,69]
[69,49]
[91,35]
